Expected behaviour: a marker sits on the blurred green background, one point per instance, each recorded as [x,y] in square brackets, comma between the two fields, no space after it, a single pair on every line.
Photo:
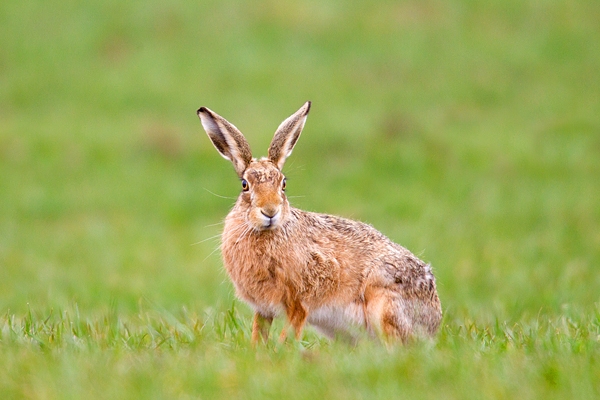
[467,131]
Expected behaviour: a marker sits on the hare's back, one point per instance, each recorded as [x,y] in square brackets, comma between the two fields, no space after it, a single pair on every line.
[357,239]
[363,248]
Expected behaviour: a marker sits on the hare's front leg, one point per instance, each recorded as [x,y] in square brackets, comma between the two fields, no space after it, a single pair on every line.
[260,328]
[296,315]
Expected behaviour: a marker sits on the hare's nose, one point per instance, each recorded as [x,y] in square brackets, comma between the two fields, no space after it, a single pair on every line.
[269,212]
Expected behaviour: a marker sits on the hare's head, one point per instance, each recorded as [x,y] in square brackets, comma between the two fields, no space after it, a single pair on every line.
[262,201]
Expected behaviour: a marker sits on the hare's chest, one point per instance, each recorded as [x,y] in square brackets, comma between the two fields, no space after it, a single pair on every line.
[259,278]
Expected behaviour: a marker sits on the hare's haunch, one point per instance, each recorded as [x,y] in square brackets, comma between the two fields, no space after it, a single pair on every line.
[333,272]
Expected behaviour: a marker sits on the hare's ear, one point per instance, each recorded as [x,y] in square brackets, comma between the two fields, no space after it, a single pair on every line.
[287,135]
[227,139]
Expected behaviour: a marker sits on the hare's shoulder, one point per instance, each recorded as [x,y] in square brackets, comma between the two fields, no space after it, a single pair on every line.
[334,223]
[348,231]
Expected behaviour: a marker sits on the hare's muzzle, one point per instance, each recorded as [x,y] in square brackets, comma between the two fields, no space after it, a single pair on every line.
[270,217]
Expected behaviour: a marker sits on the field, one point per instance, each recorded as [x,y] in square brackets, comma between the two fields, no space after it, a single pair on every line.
[467,131]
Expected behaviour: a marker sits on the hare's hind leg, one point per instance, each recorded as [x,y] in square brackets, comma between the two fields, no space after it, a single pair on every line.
[386,310]
[407,319]
[260,328]
[395,324]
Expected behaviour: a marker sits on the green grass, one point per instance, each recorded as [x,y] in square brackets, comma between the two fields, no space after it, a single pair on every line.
[467,131]
[160,355]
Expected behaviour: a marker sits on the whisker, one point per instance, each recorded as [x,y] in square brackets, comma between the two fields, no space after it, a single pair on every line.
[210,254]
[217,224]
[205,240]
[293,166]
[235,230]
[218,195]
[240,237]
[246,232]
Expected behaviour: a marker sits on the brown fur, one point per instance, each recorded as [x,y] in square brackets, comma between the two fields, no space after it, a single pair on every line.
[329,271]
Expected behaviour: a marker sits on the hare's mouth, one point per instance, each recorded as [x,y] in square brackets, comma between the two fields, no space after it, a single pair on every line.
[269,222]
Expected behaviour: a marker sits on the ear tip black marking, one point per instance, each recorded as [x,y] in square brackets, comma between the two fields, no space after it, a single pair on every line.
[202,110]
[308,104]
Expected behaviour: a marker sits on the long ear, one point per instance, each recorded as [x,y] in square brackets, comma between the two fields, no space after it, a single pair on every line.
[287,135]
[227,139]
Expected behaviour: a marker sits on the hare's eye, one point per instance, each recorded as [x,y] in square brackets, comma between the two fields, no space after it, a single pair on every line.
[245,185]
[283,184]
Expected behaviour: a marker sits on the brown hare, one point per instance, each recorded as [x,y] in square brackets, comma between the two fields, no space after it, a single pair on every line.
[335,273]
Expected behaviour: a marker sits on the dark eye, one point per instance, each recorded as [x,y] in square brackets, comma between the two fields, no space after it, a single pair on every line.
[283,184]
[245,185]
